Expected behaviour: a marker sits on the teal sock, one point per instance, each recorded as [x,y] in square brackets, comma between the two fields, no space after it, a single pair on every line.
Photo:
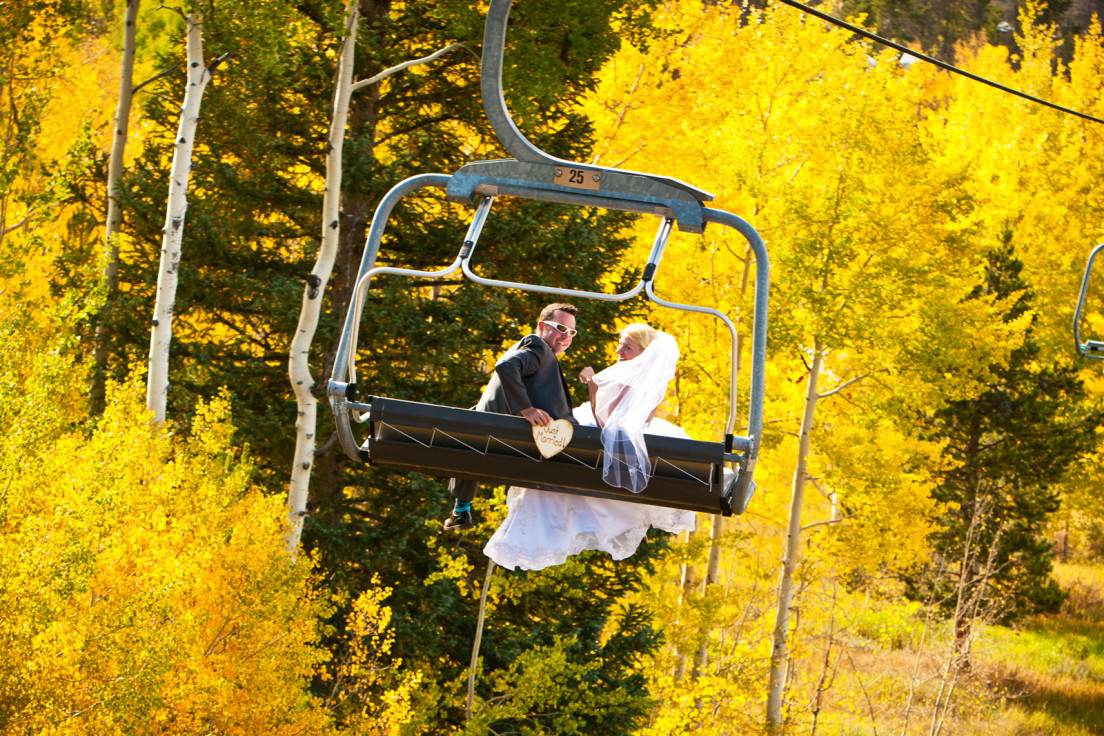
[461,507]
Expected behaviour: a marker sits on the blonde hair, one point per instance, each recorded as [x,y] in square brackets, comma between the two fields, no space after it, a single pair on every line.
[640,333]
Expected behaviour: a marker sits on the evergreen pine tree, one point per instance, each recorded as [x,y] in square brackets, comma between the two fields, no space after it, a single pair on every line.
[1006,448]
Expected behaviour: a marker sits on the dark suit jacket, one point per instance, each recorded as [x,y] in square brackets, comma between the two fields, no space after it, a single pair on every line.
[528,374]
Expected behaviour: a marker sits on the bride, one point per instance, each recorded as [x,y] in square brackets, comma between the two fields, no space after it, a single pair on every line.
[544,528]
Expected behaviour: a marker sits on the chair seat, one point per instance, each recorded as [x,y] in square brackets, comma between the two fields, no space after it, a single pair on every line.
[499,449]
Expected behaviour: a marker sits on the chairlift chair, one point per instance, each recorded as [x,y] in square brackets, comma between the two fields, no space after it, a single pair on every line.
[1090,348]
[714,477]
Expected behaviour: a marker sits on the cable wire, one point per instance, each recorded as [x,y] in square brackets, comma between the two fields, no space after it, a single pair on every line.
[941,64]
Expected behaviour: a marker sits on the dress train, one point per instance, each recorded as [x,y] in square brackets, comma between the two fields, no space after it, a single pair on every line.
[544,528]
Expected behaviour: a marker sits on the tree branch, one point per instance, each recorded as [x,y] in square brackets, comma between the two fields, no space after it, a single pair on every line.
[155,77]
[405,65]
[217,62]
[841,387]
[16,226]
[827,522]
[816,484]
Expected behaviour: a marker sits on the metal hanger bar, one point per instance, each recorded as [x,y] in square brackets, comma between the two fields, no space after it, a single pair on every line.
[494,104]
[361,290]
[596,295]
[582,185]
[659,244]
[759,324]
[1092,346]
[474,230]
[338,386]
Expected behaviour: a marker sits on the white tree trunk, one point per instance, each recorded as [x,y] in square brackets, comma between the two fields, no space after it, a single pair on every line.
[114,173]
[298,358]
[119,140]
[779,646]
[199,75]
[687,582]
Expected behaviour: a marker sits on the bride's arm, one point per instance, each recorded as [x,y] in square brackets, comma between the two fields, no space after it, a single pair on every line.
[587,376]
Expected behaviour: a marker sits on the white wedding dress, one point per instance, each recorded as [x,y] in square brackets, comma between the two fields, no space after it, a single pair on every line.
[543,528]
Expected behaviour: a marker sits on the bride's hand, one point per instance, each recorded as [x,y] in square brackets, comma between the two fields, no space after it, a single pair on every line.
[586,375]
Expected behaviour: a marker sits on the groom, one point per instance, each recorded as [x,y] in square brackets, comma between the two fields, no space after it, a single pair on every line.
[528,381]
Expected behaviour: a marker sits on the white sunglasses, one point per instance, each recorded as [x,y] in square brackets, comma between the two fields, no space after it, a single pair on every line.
[561,328]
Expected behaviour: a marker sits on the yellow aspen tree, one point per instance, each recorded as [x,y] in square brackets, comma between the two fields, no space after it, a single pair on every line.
[55,79]
[817,142]
[1038,184]
[144,583]
[146,589]
[1037,179]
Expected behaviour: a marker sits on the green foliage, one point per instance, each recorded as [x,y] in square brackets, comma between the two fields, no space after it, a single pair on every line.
[551,689]
[893,626]
[1053,667]
[1004,450]
[1062,647]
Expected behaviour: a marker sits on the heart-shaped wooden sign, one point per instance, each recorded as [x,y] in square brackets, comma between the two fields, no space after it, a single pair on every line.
[553,438]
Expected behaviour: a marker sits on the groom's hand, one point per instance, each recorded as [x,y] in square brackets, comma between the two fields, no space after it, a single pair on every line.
[536,417]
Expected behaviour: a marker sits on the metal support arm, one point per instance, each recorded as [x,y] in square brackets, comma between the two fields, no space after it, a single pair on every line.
[1090,348]
[539,175]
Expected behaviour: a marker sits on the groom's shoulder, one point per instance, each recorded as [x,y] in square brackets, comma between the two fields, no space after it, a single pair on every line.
[533,342]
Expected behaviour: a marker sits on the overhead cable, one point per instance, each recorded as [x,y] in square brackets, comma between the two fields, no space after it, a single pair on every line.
[941,64]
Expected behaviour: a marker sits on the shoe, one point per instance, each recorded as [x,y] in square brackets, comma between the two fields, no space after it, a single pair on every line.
[459,522]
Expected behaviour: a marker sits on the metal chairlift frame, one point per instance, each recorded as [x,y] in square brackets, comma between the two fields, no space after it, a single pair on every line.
[1090,348]
[533,174]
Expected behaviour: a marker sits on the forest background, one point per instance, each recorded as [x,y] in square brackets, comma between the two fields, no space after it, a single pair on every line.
[926,234]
